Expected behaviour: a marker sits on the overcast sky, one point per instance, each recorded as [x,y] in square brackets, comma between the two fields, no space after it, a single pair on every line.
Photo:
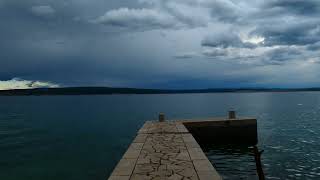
[159,43]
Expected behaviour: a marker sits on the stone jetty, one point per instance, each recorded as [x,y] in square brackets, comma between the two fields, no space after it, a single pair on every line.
[167,150]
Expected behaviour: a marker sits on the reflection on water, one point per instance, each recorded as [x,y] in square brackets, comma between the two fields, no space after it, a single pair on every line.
[232,162]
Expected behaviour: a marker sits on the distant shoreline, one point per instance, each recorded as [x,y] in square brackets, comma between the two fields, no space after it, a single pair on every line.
[108,90]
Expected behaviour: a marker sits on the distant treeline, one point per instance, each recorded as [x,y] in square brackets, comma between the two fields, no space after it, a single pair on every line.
[108,90]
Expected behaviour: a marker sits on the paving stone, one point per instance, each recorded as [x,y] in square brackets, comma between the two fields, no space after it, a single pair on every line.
[145,128]
[140,138]
[143,160]
[141,177]
[162,173]
[175,177]
[144,169]
[119,178]
[209,175]
[196,153]
[181,128]
[203,165]
[187,172]
[131,154]
[186,164]
[183,156]
[188,138]
[192,144]
[175,168]
[124,167]
[137,146]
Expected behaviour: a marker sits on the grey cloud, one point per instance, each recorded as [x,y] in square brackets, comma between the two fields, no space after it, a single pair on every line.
[280,55]
[287,22]
[138,19]
[224,10]
[314,47]
[215,52]
[261,56]
[301,32]
[200,12]
[173,14]
[43,11]
[188,13]
[185,55]
[302,7]
[157,15]
[225,40]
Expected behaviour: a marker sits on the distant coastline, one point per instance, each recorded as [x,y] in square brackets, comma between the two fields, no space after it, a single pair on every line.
[109,90]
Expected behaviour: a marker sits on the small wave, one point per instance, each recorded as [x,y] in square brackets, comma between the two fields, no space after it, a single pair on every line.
[271,177]
[276,147]
[293,170]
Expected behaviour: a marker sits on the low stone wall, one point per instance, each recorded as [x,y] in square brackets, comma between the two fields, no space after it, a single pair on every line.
[235,131]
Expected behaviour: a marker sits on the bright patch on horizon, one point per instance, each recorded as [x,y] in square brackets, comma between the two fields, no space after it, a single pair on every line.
[17,83]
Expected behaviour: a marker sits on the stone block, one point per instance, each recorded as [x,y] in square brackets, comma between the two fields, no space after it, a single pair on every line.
[203,165]
[196,154]
[209,175]
[124,167]
[140,138]
[119,178]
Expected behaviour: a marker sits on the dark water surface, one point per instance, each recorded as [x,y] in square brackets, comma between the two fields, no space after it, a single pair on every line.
[83,137]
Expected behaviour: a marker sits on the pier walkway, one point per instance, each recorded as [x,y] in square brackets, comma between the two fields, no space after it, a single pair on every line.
[164,151]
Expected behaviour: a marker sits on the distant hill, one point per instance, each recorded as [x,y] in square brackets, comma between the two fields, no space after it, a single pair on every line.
[108,90]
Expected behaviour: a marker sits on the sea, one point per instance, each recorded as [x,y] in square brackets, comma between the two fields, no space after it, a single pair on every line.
[83,137]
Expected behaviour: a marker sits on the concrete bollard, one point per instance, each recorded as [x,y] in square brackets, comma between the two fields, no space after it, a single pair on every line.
[232,114]
[161,117]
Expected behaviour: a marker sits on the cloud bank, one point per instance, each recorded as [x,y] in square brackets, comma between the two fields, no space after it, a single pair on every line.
[17,83]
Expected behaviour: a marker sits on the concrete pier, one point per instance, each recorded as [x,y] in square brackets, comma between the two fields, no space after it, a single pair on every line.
[167,150]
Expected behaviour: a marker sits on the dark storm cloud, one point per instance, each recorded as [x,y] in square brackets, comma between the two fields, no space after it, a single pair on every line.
[303,7]
[225,10]
[289,27]
[280,55]
[149,42]
[290,33]
[51,40]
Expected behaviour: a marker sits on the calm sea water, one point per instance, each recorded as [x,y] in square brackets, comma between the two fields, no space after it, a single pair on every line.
[83,137]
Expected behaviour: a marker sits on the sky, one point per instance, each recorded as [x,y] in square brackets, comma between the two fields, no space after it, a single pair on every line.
[172,44]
